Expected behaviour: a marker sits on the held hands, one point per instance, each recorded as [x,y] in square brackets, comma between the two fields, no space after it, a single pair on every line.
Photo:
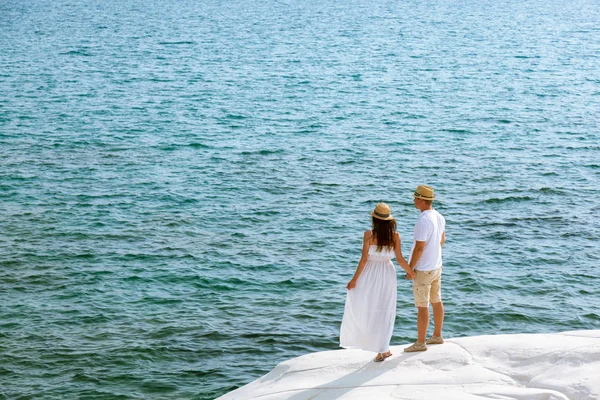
[351,284]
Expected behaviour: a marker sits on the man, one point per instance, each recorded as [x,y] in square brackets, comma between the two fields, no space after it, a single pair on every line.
[426,261]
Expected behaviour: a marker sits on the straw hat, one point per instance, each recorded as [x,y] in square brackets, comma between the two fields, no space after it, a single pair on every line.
[382,211]
[424,192]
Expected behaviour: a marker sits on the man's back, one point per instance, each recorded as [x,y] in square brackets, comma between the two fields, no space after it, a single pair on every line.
[429,229]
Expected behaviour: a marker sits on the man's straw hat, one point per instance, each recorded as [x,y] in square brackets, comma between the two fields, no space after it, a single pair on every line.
[424,192]
[382,211]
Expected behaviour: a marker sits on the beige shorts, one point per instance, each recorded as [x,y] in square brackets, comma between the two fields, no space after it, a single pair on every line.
[427,287]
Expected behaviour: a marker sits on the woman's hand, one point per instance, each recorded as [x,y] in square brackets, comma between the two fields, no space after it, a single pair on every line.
[410,274]
[351,284]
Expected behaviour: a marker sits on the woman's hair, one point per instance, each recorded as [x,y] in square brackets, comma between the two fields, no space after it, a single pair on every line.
[383,233]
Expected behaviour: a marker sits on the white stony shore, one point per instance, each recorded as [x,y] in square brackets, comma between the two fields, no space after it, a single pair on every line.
[556,366]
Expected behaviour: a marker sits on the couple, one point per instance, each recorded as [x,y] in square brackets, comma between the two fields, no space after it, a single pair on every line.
[370,309]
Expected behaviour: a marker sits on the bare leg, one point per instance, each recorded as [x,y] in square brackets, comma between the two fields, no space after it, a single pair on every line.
[422,323]
[438,318]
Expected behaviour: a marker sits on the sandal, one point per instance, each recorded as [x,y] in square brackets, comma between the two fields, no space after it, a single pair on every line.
[435,340]
[380,357]
[416,347]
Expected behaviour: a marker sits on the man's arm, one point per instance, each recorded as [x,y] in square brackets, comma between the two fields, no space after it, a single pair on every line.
[416,254]
[443,239]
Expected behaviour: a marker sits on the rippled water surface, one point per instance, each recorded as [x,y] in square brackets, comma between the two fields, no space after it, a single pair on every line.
[184,185]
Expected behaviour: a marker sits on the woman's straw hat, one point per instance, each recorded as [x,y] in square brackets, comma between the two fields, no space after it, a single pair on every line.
[424,192]
[382,211]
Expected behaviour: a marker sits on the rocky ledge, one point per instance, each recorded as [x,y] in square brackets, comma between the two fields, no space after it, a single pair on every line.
[557,366]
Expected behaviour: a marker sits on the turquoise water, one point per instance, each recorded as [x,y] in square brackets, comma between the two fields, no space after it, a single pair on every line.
[184,185]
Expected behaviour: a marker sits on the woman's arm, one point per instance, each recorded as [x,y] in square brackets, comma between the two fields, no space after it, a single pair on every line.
[363,260]
[400,258]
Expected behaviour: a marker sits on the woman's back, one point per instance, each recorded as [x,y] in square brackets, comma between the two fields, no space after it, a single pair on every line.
[386,253]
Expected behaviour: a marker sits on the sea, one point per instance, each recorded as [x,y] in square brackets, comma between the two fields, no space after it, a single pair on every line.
[184,185]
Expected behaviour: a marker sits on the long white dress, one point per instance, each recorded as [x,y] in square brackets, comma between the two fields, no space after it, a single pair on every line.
[370,310]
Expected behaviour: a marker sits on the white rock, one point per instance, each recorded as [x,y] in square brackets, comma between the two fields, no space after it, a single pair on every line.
[559,366]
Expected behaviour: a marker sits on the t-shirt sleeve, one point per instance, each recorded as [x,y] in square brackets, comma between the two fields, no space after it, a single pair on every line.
[422,230]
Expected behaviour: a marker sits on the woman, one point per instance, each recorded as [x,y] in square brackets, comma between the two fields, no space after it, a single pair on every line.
[370,309]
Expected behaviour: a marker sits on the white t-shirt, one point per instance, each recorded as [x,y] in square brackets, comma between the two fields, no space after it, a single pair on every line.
[429,229]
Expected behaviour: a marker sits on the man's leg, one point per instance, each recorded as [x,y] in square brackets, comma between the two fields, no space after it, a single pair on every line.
[422,324]
[438,318]
[436,303]
[421,292]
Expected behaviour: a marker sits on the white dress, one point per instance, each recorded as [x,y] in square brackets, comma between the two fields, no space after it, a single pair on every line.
[370,309]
